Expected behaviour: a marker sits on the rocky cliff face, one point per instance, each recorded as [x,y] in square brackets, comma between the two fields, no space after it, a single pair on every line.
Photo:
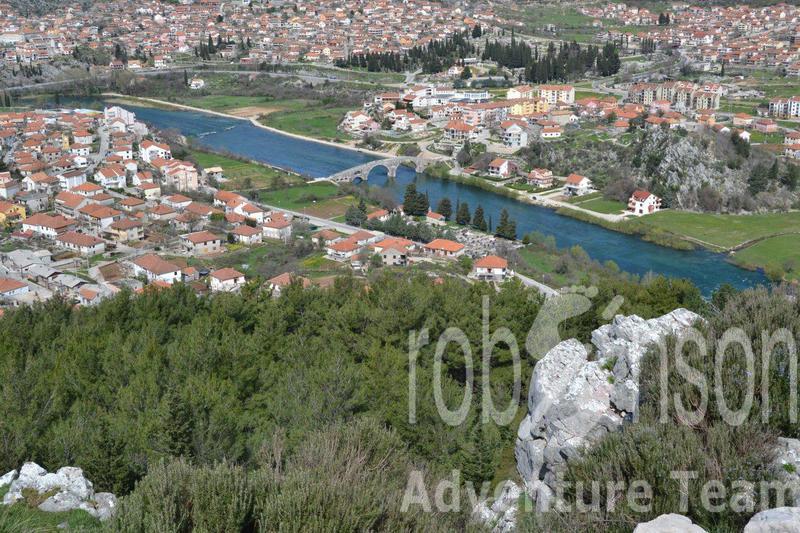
[573,401]
[64,490]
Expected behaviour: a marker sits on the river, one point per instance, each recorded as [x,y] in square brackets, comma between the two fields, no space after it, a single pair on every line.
[706,269]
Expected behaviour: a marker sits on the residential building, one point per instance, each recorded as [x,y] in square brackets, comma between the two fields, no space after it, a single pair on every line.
[577,185]
[444,248]
[643,203]
[156,269]
[202,243]
[84,244]
[226,280]
[490,268]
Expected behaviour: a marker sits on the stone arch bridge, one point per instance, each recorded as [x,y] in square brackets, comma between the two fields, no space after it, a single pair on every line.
[391,164]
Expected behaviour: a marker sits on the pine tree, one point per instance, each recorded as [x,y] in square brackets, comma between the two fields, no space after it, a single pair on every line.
[354,216]
[507,228]
[445,208]
[758,180]
[478,220]
[790,177]
[462,215]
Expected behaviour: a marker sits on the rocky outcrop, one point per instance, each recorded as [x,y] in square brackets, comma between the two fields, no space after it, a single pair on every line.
[778,520]
[64,490]
[786,467]
[574,401]
[501,516]
[669,523]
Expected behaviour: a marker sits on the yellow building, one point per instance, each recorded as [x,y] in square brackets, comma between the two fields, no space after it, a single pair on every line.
[527,106]
[11,213]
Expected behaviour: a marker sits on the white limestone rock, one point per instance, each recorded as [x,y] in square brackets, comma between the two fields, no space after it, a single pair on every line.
[574,401]
[669,523]
[7,478]
[787,466]
[501,515]
[67,489]
[778,520]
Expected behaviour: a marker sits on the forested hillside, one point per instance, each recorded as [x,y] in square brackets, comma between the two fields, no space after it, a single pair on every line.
[262,383]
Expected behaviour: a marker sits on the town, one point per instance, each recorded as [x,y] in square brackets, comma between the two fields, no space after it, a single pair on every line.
[254,253]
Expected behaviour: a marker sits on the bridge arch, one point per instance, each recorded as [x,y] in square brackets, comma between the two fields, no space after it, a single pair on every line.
[390,163]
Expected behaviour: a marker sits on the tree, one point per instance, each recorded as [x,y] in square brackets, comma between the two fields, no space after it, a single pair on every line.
[445,208]
[740,145]
[477,31]
[790,177]
[479,462]
[415,203]
[478,220]
[758,180]
[354,216]
[466,73]
[410,199]
[507,228]
[462,214]
[772,175]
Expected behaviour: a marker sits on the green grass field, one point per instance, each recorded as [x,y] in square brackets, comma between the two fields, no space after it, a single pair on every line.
[588,94]
[312,120]
[543,263]
[226,103]
[243,175]
[295,198]
[738,106]
[722,231]
[776,254]
[766,138]
[601,205]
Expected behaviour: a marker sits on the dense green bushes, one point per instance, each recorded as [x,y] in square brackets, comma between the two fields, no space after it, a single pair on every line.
[340,479]
[298,404]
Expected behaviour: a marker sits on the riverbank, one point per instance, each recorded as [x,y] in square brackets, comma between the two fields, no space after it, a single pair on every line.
[319,159]
[134,99]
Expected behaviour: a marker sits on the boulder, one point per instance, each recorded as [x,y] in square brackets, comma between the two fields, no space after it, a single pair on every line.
[575,400]
[7,478]
[501,515]
[778,520]
[66,490]
[669,523]
[105,505]
[787,466]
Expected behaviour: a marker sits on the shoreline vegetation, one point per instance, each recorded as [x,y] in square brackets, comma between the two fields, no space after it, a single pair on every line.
[647,232]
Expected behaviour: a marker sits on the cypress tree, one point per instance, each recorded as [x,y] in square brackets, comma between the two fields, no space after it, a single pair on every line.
[478,220]
[462,215]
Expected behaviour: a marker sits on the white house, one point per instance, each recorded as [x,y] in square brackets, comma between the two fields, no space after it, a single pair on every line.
[342,250]
[643,203]
[500,168]
[491,268]
[111,176]
[156,269]
[150,150]
[515,134]
[71,178]
[577,185]
[247,234]
[85,245]
[277,227]
[226,280]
